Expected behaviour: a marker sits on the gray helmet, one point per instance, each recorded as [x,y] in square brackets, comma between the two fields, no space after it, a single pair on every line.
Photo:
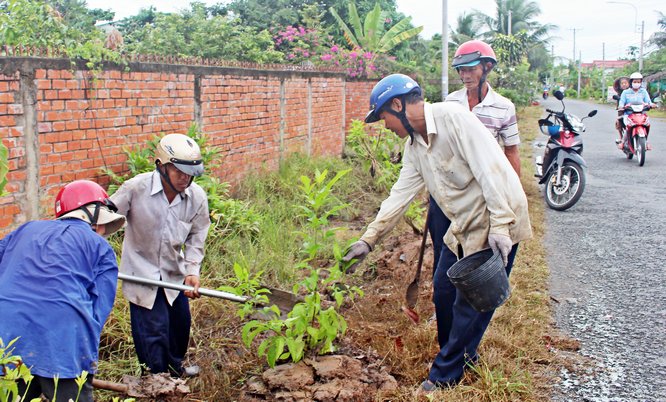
[182,151]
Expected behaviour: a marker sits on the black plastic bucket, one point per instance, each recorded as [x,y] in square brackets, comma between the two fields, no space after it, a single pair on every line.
[481,278]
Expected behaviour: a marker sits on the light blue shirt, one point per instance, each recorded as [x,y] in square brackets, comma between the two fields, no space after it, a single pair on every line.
[57,287]
[630,96]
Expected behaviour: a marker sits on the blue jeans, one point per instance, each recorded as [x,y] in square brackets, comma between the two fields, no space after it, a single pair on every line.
[459,327]
[161,334]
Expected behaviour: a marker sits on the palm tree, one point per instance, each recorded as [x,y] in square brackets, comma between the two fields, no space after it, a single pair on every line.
[371,36]
[467,28]
[523,18]
[659,38]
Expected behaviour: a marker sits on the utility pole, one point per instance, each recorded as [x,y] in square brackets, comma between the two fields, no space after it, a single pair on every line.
[445,50]
[640,55]
[508,32]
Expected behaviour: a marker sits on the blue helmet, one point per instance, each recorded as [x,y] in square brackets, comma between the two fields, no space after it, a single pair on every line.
[388,88]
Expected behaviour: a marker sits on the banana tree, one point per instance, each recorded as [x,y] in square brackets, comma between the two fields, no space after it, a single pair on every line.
[371,36]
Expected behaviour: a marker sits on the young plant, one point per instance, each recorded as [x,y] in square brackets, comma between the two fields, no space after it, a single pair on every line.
[311,325]
[12,369]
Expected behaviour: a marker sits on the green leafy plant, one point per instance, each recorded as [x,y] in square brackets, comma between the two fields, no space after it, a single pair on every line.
[4,168]
[36,24]
[381,155]
[313,324]
[13,369]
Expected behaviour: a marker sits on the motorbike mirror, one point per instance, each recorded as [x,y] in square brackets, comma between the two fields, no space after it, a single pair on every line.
[559,95]
[592,113]
[616,97]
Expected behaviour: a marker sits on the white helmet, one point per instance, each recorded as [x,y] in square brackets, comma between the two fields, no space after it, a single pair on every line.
[635,76]
[182,151]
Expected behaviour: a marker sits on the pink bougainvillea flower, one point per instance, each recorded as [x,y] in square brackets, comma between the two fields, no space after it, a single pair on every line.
[334,48]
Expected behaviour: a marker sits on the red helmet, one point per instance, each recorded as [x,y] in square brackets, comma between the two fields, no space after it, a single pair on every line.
[472,53]
[79,193]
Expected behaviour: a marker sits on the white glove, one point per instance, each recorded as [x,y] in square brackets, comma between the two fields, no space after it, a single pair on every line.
[502,244]
[358,250]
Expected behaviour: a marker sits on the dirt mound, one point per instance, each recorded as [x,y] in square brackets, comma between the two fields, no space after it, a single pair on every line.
[324,378]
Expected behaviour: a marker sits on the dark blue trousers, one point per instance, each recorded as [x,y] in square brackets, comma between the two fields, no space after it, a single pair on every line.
[161,334]
[459,327]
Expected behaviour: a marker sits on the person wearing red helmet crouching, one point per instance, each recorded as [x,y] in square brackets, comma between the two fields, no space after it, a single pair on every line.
[57,287]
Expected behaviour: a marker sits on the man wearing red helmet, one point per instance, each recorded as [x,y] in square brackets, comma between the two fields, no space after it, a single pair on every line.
[167,225]
[463,168]
[57,287]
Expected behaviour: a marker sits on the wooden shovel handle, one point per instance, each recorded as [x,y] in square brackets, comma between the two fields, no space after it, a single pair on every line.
[419,264]
[110,386]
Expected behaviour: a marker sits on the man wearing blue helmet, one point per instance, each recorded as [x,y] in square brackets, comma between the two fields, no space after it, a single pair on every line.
[465,171]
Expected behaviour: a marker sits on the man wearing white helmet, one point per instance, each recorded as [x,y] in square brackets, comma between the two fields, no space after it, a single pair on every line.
[57,286]
[167,224]
[635,94]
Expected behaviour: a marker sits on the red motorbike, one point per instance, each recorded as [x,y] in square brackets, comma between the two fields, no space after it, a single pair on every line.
[636,130]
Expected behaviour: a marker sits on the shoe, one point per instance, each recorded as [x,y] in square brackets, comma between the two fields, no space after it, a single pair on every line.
[617,140]
[648,146]
[190,371]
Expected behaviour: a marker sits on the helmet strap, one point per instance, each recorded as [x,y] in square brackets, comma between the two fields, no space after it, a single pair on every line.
[92,217]
[402,115]
[482,81]
[166,178]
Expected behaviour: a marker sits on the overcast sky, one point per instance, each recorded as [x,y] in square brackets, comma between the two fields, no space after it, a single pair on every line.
[596,22]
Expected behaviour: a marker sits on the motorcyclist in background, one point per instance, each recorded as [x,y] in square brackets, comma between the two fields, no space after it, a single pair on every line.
[636,94]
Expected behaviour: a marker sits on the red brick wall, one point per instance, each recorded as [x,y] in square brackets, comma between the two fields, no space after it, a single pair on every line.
[80,124]
[11,112]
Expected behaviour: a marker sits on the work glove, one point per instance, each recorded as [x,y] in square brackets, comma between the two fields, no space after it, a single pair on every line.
[502,244]
[358,250]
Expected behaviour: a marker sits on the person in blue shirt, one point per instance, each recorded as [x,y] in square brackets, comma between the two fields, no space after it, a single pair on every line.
[57,287]
[635,94]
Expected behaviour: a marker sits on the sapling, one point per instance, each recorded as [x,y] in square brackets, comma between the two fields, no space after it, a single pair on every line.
[310,326]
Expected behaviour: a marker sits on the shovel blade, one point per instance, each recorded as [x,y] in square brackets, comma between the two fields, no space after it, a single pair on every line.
[412,295]
[285,301]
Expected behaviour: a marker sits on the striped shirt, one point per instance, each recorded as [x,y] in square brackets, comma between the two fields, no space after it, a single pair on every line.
[496,112]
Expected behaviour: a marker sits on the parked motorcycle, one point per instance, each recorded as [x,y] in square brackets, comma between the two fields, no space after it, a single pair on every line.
[635,132]
[562,166]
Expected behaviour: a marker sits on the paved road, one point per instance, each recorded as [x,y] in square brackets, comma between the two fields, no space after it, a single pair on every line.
[607,256]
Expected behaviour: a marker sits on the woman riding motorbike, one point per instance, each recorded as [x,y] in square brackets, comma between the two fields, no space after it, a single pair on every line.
[619,86]
[635,94]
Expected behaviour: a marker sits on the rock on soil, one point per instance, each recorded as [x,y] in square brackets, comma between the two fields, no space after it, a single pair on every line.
[324,378]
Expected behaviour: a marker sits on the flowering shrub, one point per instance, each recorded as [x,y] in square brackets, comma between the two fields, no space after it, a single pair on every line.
[299,44]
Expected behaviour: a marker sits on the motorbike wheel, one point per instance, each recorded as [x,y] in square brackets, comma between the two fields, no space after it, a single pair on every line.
[570,189]
[640,150]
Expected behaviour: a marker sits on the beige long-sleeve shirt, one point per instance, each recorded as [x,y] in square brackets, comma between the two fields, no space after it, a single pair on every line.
[466,172]
[162,241]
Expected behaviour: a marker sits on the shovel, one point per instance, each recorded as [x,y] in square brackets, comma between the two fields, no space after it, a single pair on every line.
[412,293]
[285,301]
